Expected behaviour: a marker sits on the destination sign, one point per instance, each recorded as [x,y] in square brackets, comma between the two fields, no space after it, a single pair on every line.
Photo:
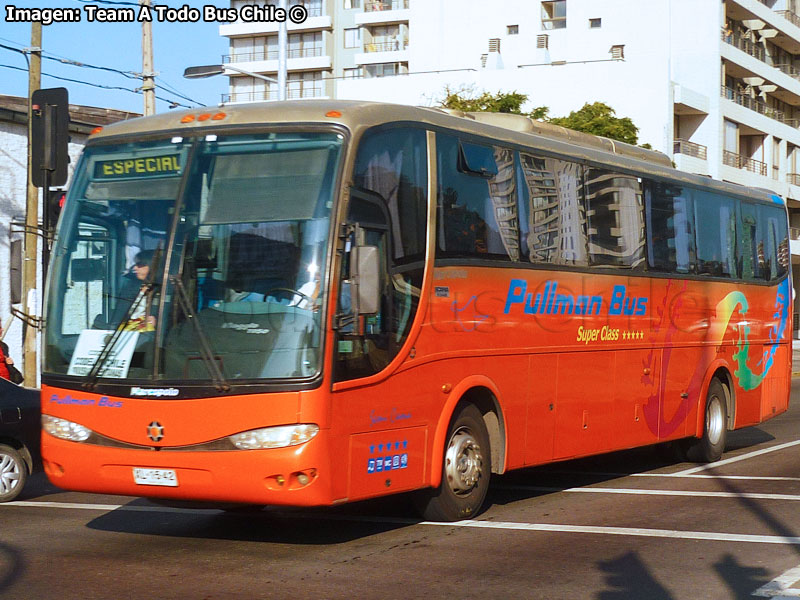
[150,166]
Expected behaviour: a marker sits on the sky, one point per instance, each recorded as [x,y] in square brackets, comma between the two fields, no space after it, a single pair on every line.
[116,46]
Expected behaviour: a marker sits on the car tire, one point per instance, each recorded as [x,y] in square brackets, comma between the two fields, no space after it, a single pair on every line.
[13,473]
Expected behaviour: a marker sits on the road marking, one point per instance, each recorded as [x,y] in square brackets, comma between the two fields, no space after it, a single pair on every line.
[640,492]
[779,587]
[500,525]
[736,459]
[674,476]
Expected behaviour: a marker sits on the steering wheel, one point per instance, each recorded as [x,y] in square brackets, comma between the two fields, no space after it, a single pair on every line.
[293,292]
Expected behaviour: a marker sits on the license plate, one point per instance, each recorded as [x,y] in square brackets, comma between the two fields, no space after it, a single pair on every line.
[163,477]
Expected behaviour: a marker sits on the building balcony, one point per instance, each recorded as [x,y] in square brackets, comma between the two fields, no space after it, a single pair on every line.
[270,95]
[789,16]
[375,56]
[758,106]
[378,12]
[316,21]
[689,149]
[266,61]
[390,46]
[746,163]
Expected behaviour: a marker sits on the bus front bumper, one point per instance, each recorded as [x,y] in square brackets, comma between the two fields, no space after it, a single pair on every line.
[296,475]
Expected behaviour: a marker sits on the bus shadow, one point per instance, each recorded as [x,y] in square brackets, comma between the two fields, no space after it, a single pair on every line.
[322,526]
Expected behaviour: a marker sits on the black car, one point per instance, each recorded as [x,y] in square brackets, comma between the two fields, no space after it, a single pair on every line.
[19,437]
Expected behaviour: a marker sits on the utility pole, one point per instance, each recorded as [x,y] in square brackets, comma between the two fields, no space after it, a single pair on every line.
[282,39]
[148,83]
[29,333]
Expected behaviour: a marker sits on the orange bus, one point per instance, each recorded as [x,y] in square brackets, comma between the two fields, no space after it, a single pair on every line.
[317,302]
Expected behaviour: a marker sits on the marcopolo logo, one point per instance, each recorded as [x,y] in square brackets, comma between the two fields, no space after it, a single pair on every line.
[155,392]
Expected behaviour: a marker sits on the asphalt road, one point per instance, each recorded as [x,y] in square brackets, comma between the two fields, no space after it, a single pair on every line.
[621,526]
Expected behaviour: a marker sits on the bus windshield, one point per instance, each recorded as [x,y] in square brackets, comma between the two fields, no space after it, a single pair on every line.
[181,258]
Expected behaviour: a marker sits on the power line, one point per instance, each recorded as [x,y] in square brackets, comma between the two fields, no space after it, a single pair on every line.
[128,74]
[97,85]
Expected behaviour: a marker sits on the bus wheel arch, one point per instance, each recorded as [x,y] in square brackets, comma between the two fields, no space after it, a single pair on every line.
[710,445]
[483,394]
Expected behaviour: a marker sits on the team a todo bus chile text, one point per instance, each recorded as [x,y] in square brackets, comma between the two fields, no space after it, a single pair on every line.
[185,14]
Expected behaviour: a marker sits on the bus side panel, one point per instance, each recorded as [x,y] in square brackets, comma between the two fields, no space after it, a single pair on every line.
[585,406]
[637,403]
[775,394]
[542,396]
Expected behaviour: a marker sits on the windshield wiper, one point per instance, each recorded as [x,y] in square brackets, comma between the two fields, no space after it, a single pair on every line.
[94,373]
[206,354]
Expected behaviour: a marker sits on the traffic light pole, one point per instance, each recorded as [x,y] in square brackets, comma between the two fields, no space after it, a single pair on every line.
[32,305]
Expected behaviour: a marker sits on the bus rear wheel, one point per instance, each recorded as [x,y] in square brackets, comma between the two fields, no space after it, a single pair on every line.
[711,445]
[466,470]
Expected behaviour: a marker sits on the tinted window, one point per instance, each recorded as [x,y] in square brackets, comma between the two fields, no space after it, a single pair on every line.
[389,205]
[715,217]
[774,240]
[552,213]
[477,203]
[670,222]
[615,216]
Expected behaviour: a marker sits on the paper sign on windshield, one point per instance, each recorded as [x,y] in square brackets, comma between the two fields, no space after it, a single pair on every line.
[92,342]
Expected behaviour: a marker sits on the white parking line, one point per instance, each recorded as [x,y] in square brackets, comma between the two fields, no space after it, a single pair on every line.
[639,492]
[499,525]
[779,587]
[676,476]
[736,459]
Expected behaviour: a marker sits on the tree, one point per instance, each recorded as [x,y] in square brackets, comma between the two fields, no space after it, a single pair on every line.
[466,100]
[600,119]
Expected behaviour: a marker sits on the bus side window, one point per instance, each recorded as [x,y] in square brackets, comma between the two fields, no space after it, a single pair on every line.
[477,201]
[715,216]
[615,216]
[552,211]
[774,238]
[751,267]
[670,228]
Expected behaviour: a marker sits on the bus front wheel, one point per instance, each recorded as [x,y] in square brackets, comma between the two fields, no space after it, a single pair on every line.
[466,470]
[711,445]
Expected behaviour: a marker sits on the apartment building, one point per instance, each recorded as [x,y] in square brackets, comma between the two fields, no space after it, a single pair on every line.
[714,84]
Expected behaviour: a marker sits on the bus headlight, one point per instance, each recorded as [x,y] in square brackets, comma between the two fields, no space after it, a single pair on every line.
[275,437]
[65,430]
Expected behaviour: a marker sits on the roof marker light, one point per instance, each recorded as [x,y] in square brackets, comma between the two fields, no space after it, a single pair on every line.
[219,116]
[187,119]
[96,130]
[204,117]
[333,113]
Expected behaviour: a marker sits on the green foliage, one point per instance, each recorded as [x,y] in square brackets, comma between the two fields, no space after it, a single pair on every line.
[466,100]
[597,118]
[600,119]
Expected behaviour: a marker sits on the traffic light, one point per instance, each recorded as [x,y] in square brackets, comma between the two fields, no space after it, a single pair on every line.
[49,137]
[53,206]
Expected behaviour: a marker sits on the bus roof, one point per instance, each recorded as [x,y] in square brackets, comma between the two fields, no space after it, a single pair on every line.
[358,116]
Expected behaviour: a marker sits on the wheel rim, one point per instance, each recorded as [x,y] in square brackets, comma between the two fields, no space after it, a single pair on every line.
[715,420]
[9,474]
[463,462]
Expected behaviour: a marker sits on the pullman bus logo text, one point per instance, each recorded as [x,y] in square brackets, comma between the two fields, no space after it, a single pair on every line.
[550,302]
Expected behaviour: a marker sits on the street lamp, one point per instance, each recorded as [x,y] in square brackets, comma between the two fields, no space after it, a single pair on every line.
[202,71]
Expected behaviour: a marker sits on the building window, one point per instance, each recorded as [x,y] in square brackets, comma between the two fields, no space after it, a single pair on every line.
[554,14]
[512,30]
[383,70]
[304,85]
[352,38]
[348,4]
[542,41]
[352,73]
[617,52]
[595,23]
